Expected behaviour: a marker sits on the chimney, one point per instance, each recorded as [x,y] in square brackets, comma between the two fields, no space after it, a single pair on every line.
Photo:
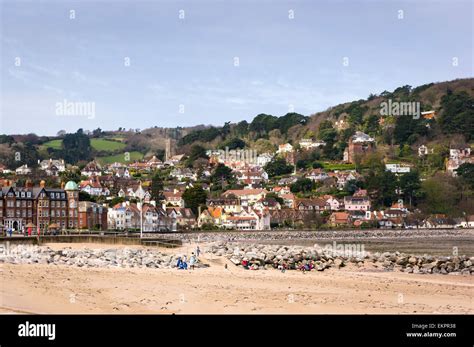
[62,185]
[28,184]
[42,183]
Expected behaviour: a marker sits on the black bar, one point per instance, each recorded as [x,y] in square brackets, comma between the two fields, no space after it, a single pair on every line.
[248,330]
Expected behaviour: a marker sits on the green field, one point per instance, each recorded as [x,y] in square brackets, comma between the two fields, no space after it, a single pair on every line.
[120,158]
[97,144]
[55,144]
[330,166]
[106,145]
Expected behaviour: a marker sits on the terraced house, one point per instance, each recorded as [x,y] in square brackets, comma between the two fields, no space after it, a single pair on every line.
[39,206]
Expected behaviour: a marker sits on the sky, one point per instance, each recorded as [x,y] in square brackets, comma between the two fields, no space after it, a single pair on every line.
[139,64]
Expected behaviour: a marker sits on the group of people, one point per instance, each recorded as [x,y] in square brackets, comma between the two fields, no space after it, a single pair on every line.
[246,265]
[25,231]
[182,263]
[305,266]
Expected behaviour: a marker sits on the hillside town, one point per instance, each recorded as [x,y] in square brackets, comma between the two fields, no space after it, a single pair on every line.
[229,190]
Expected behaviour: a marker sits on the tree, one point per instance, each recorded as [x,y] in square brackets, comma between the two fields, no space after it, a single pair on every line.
[197,152]
[278,167]
[194,197]
[352,186]
[76,147]
[466,173]
[382,185]
[371,125]
[329,135]
[222,173]
[406,126]
[97,132]
[303,185]
[242,128]
[70,175]
[410,185]
[273,195]
[440,194]
[83,196]
[234,143]
[225,129]
[458,114]
[116,200]
[156,187]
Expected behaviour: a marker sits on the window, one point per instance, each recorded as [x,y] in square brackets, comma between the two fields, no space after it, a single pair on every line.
[18,203]
[53,204]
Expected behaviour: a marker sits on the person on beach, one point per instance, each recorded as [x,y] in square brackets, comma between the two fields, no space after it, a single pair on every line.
[29,231]
[198,251]
[192,261]
[245,263]
[179,264]
[10,231]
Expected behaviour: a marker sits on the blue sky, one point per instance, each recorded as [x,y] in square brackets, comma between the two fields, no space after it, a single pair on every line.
[283,63]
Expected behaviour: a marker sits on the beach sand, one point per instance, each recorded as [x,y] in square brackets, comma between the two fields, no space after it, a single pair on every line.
[62,289]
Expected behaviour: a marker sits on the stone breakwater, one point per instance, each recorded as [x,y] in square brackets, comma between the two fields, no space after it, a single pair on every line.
[90,258]
[261,257]
[275,235]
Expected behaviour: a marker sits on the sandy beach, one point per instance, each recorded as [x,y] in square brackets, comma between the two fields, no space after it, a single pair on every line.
[35,288]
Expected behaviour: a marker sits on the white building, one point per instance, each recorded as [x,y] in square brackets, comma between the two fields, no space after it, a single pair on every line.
[23,170]
[263,159]
[310,144]
[52,166]
[397,168]
[285,148]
